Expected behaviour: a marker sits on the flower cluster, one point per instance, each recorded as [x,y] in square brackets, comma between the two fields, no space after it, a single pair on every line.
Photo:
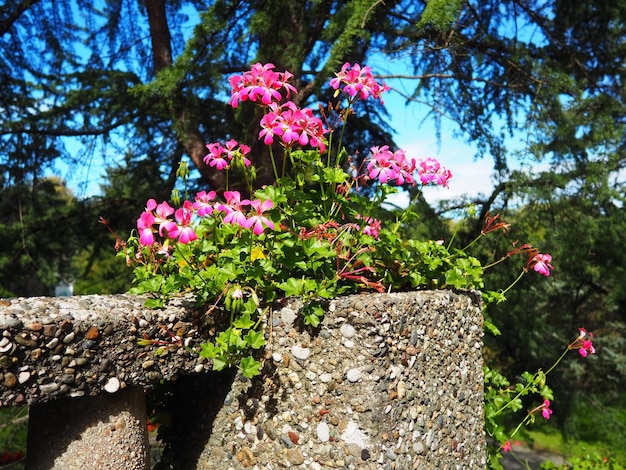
[156,217]
[293,125]
[358,82]
[260,83]
[159,215]
[431,171]
[311,233]
[583,344]
[314,235]
[222,157]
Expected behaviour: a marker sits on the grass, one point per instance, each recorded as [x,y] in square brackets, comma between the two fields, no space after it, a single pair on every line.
[580,455]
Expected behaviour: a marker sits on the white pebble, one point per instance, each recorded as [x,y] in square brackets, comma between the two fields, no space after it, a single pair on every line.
[326,377]
[113,385]
[23,377]
[354,375]
[347,330]
[300,352]
[277,357]
[287,316]
[349,343]
[323,432]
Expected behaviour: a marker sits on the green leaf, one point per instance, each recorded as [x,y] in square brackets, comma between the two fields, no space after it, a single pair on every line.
[334,175]
[292,287]
[255,339]
[154,303]
[249,366]
[209,350]
[244,322]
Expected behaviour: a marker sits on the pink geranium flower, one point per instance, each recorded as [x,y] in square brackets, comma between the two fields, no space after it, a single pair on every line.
[221,157]
[583,344]
[546,411]
[184,231]
[234,208]
[204,203]
[144,227]
[431,171]
[258,221]
[381,165]
[391,167]
[372,227]
[358,82]
[293,125]
[260,83]
[541,263]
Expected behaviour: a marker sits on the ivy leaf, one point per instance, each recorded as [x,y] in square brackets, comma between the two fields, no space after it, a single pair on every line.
[243,322]
[249,366]
[255,339]
[292,287]
[209,350]
[154,303]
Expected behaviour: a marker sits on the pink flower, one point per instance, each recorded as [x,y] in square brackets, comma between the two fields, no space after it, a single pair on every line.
[270,126]
[372,227]
[162,213]
[381,165]
[184,232]
[546,411]
[293,125]
[390,167]
[583,344]
[431,171]
[358,83]
[258,221]
[260,83]
[144,227]
[541,263]
[203,204]
[221,157]
[506,447]
[234,208]
[405,167]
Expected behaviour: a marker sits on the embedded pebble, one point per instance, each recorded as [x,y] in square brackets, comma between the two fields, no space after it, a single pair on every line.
[287,316]
[69,338]
[23,377]
[49,388]
[112,385]
[326,377]
[323,432]
[354,375]
[347,330]
[300,353]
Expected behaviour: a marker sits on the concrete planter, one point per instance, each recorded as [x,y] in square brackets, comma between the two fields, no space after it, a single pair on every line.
[387,381]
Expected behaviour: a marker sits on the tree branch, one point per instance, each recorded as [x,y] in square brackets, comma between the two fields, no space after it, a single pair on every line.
[7,23]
